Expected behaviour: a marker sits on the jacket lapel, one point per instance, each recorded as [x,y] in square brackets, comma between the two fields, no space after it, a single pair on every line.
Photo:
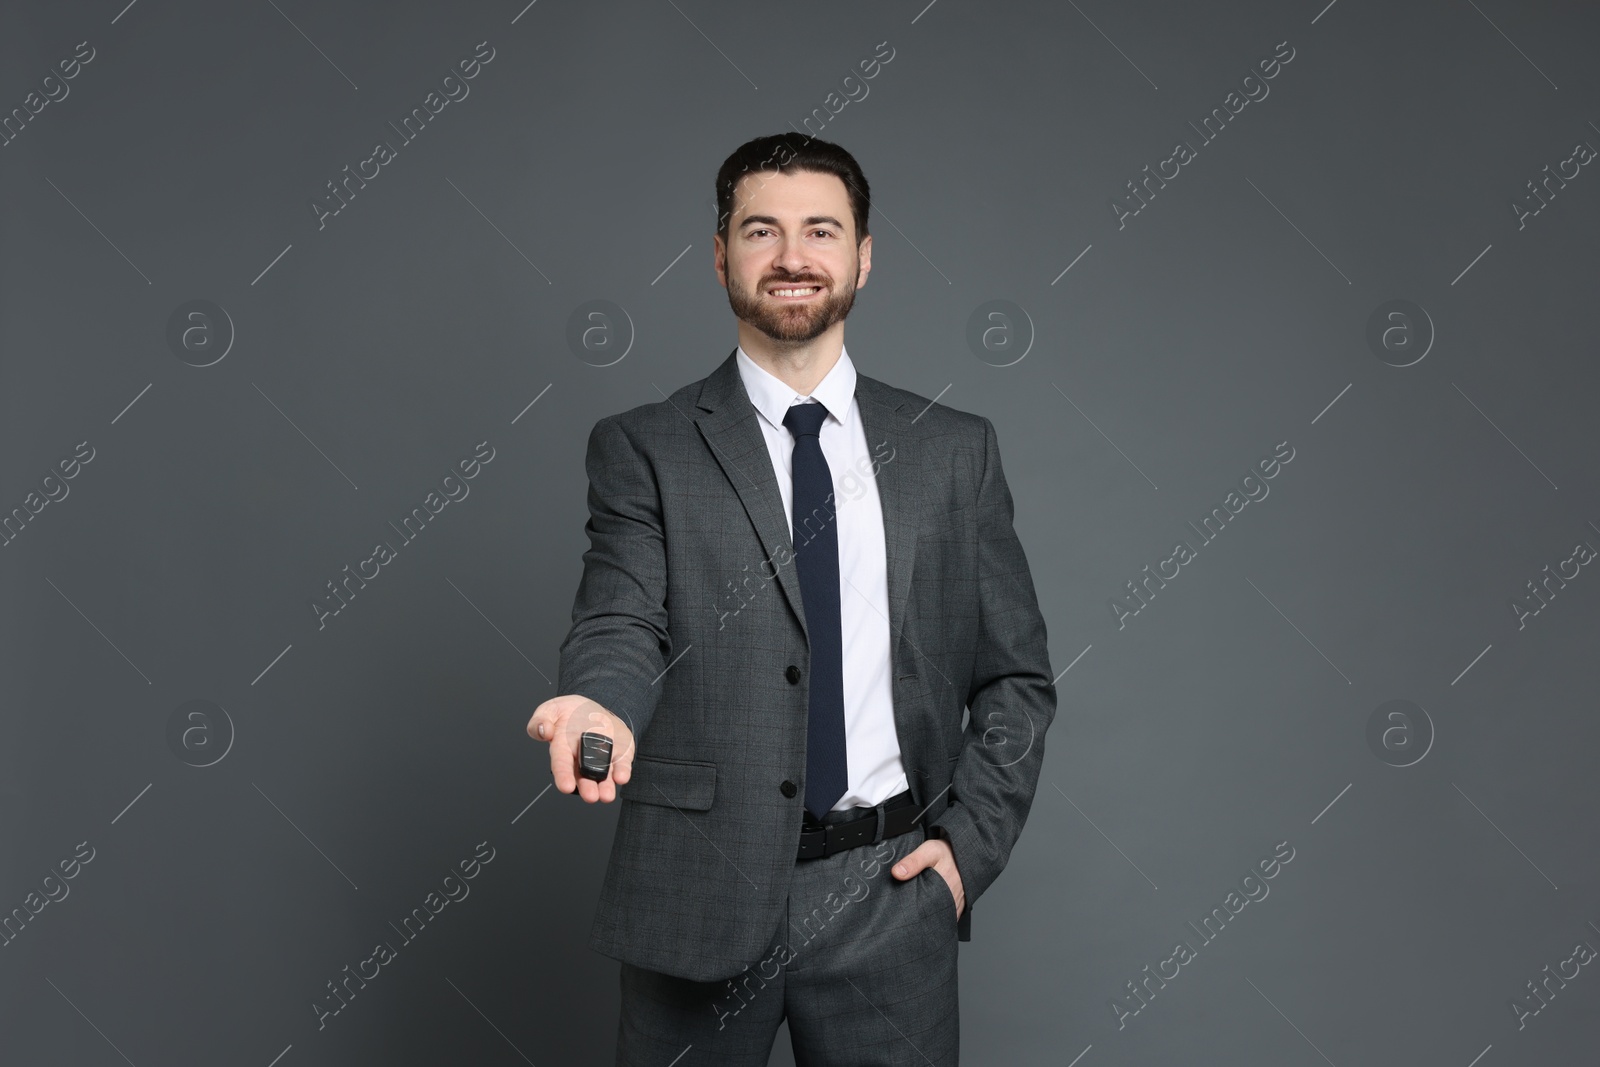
[893,448]
[728,421]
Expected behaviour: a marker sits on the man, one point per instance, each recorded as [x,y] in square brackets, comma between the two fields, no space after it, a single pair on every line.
[798,578]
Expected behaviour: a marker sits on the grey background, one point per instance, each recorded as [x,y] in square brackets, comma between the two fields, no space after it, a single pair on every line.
[370,756]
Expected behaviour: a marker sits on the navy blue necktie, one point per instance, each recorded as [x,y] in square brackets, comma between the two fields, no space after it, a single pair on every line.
[816,549]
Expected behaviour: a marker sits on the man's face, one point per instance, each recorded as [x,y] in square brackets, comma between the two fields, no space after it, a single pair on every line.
[791,265]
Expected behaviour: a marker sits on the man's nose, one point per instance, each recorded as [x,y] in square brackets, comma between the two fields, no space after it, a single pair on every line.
[793,256]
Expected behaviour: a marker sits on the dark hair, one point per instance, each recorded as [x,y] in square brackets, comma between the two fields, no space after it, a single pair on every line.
[787,153]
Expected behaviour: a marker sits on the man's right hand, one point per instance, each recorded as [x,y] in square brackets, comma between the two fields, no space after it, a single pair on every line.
[562,721]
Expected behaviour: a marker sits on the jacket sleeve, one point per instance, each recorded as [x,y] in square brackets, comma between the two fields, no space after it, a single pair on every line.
[1011,700]
[616,650]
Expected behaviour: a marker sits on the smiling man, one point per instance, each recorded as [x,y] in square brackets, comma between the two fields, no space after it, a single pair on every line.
[798,579]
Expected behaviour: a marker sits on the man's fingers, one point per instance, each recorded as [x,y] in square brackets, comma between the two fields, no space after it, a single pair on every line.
[914,862]
[622,750]
[606,788]
[593,791]
[564,759]
[546,717]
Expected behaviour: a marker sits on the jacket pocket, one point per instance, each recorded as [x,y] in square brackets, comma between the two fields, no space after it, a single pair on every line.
[688,784]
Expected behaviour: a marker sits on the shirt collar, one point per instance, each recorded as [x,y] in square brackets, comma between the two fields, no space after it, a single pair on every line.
[772,397]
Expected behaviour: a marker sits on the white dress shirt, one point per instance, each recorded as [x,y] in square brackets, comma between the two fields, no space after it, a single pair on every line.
[871,745]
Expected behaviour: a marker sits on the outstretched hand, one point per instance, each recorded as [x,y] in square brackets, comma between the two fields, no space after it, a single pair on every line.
[562,721]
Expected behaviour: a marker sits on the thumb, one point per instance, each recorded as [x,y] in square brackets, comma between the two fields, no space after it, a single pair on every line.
[914,862]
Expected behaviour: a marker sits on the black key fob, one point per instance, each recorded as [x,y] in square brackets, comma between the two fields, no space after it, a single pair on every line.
[594,761]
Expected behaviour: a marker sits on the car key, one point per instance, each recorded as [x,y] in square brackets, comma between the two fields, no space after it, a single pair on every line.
[594,762]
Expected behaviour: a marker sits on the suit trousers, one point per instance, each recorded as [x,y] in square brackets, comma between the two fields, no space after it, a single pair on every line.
[863,966]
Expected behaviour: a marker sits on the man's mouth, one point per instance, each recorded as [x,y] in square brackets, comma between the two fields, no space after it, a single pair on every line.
[794,292]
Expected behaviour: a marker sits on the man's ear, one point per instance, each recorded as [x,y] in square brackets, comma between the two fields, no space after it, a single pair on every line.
[719,259]
[864,253]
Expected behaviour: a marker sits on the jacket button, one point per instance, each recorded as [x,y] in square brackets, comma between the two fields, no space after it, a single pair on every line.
[793,674]
[787,788]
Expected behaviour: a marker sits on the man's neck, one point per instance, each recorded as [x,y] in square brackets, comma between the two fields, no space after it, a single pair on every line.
[801,366]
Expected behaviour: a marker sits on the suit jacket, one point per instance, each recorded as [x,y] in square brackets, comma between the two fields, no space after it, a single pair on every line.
[688,625]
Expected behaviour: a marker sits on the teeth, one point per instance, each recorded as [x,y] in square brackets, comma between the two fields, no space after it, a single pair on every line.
[795,292]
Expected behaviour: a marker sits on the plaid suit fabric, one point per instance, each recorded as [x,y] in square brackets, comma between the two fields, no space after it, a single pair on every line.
[691,565]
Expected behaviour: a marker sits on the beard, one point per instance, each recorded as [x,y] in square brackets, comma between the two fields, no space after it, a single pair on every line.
[799,322]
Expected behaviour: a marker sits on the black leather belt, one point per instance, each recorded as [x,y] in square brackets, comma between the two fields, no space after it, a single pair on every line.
[895,816]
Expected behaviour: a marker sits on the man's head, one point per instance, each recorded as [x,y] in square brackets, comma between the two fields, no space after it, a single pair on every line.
[792,214]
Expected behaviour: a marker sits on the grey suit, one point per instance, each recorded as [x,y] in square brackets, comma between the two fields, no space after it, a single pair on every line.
[681,629]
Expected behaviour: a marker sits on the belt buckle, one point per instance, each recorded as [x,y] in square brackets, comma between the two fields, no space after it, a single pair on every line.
[833,833]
